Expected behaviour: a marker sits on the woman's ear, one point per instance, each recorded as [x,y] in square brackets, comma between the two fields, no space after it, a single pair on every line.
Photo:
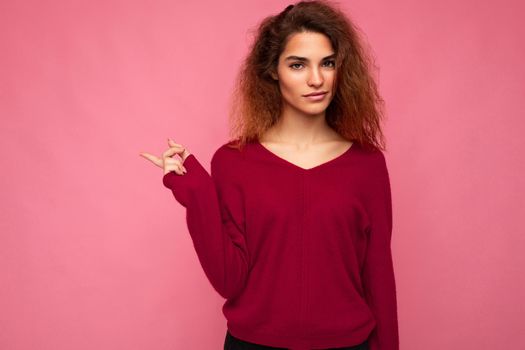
[274,75]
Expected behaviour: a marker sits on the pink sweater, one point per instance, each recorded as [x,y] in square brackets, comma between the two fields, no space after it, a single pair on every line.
[302,256]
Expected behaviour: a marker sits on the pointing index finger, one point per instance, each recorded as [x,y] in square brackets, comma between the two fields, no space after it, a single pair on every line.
[154,159]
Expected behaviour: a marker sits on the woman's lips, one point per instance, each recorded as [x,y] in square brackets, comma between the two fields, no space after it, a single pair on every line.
[317,97]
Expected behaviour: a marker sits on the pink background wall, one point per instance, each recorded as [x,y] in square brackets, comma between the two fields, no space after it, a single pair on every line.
[94,251]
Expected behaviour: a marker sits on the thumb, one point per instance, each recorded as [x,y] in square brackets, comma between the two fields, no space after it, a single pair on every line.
[172,143]
[184,154]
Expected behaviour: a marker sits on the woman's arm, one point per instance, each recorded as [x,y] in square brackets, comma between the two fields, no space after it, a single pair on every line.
[215,220]
[378,274]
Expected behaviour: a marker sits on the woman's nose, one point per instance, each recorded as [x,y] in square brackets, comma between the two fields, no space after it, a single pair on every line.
[315,78]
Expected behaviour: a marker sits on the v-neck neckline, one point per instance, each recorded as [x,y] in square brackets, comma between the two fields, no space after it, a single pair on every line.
[305,170]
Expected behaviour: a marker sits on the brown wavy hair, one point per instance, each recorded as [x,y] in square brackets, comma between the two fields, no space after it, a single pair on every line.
[356,110]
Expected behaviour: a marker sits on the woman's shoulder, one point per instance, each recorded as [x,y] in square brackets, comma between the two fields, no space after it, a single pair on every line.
[372,159]
[230,151]
[228,157]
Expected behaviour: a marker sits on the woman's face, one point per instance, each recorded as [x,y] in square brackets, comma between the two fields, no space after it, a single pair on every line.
[306,65]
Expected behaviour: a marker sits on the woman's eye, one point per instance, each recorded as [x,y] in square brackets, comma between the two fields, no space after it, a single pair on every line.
[298,65]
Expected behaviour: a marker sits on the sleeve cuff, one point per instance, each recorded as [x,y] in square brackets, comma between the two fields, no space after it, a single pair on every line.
[171,179]
[183,185]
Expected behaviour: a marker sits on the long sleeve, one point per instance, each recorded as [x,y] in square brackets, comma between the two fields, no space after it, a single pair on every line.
[378,273]
[215,220]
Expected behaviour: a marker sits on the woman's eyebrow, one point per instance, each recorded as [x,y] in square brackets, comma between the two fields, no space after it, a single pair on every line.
[299,58]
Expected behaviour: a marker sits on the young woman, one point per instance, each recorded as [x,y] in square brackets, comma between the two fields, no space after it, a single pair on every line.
[293,226]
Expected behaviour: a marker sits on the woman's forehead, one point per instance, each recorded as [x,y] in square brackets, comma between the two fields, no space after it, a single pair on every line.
[308,43]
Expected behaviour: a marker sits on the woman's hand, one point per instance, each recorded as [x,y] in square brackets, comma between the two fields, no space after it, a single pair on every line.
[167,162]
